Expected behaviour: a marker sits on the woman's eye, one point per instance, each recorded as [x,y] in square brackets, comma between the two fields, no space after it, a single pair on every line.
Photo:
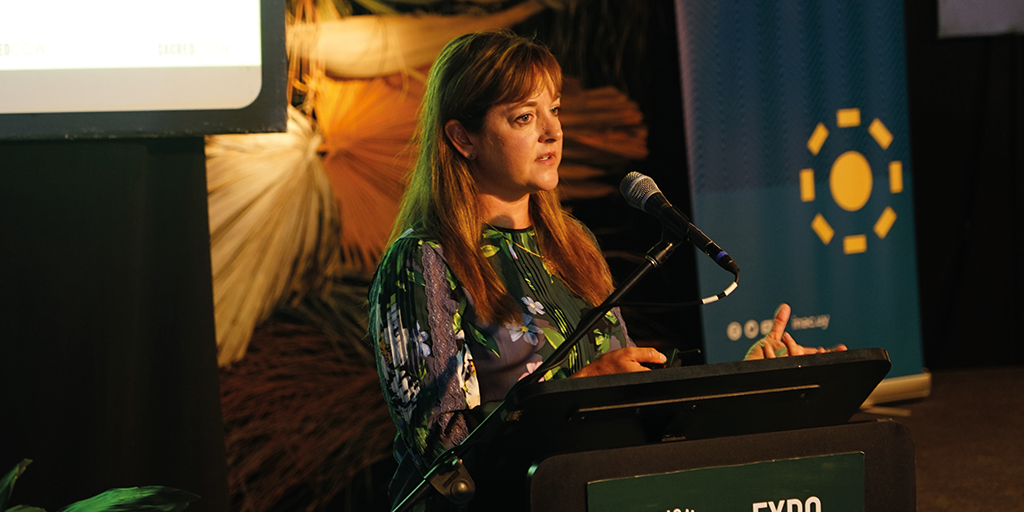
[556,110]
[525,118]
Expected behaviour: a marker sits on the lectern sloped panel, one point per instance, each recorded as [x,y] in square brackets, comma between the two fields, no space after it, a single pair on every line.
[697,402]
[688,403]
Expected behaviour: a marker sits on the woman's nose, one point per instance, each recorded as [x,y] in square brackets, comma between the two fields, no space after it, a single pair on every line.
[552,131]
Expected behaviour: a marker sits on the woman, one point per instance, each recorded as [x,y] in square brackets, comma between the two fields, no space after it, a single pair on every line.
[487,274]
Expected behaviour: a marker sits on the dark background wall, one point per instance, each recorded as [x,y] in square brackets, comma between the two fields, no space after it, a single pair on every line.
[107,348]
[967,135]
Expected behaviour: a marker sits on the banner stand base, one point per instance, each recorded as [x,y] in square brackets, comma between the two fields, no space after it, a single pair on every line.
[896,389]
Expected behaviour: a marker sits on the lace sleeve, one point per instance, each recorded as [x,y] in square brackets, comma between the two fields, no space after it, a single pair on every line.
[426,369]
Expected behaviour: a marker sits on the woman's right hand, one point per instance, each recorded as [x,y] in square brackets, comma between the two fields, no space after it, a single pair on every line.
[623,360]
[779,343]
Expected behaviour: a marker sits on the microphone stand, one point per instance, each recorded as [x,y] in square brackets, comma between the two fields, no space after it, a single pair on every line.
[449,475]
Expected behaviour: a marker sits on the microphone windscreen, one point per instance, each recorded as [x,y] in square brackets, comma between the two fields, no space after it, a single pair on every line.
[637,188]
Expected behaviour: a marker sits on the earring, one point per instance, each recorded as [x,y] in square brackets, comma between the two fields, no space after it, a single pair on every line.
[471,156]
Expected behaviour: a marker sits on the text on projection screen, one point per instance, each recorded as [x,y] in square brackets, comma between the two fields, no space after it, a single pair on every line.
[128,55]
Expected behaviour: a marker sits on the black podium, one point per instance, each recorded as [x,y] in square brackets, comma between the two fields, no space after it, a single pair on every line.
[886,478]
[766,435]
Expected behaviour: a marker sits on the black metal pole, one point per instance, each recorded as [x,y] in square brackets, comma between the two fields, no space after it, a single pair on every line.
[655,257]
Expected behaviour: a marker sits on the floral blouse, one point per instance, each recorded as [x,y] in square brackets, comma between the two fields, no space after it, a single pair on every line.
[440,367]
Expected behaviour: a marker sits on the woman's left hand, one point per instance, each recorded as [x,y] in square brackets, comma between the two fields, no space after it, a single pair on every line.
[623,360]
[779,343]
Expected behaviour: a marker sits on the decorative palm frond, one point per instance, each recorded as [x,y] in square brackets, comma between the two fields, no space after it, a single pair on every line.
[604,132]
[340,314]
[273,226]
[598,39]
[334,9]
[373,46]
[300,413]
[368,126]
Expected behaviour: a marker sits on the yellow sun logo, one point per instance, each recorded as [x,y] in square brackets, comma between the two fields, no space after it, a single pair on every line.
[851,180]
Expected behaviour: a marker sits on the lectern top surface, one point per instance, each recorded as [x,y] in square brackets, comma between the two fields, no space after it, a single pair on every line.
[710,400]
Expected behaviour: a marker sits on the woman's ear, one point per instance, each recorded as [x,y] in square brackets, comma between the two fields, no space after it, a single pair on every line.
[459,138]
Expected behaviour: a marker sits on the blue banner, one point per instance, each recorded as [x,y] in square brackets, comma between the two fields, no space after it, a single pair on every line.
[799,159]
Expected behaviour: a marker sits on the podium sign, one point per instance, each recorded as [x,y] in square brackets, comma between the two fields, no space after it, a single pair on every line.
[809,484]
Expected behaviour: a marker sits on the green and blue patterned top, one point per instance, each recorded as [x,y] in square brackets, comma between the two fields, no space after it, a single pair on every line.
[439,366]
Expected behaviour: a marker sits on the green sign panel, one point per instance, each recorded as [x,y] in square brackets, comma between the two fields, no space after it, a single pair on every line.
[809,484]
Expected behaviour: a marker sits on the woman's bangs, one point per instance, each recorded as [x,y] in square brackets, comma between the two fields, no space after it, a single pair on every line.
[530,74]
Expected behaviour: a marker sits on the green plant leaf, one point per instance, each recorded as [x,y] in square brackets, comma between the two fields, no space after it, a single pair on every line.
[7,484]
[152,498]
[24,508]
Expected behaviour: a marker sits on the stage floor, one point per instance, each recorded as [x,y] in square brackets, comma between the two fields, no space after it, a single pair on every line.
[969,439]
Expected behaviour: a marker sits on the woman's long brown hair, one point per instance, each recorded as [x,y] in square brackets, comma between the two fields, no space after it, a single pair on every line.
[473,73]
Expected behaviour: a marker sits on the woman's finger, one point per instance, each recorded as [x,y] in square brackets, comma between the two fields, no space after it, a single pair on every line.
[781,319]
[792,346]
[648,355]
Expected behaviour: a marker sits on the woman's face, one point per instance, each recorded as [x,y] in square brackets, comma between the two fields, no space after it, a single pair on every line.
[519,147]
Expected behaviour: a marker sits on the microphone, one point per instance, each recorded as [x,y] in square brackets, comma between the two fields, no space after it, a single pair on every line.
[643,194]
